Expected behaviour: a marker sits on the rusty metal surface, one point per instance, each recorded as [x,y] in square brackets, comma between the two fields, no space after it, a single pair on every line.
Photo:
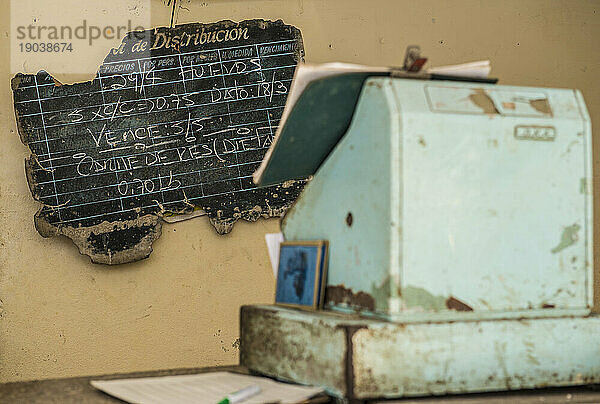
[580,394]
[294,350]
[475,356]
[365,358]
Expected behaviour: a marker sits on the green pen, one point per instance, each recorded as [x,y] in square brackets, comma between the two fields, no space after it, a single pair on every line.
[241,395]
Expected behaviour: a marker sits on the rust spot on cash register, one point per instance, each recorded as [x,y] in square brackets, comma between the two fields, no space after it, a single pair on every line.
[454,304]
[174,123]
[541,105]
[340,295]
[480,98]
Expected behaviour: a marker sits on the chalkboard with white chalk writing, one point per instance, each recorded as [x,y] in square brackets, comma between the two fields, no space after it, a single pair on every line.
[174,123]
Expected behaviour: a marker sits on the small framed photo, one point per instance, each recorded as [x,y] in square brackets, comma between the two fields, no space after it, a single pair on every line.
[302,274]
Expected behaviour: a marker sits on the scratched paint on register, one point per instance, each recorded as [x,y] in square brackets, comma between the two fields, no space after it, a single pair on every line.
[568,238]
[174,123]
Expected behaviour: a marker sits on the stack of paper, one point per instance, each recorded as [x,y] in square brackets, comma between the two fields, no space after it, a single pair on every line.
[205,388]
[479,69]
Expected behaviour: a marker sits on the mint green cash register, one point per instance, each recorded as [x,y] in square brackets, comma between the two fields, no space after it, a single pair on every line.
[459,221]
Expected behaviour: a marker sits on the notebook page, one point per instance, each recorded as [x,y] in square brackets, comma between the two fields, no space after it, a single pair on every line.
[205,388]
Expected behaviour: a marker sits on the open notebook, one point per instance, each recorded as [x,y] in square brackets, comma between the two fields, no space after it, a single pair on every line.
[205,388]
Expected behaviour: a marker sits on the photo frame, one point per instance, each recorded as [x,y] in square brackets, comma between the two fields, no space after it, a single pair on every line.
[302,274]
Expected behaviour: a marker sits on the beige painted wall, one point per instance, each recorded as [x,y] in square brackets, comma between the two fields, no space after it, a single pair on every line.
[62,316]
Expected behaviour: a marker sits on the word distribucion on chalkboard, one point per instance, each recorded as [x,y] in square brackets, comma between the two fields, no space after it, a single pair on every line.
[174,123]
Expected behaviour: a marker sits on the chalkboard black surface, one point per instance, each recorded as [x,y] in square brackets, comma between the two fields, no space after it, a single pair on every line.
[174,123]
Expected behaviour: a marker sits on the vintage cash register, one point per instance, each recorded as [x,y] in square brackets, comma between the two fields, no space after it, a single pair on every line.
[459,220]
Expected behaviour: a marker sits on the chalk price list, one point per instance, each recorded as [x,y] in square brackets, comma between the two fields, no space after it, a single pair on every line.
[156,133]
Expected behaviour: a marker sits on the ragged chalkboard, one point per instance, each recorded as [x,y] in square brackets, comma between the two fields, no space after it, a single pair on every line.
[175,122]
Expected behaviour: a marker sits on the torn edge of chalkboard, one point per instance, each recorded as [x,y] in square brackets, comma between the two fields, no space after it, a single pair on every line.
[137,235]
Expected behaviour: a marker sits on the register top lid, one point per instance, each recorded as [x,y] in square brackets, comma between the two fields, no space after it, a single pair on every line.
[318,113]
